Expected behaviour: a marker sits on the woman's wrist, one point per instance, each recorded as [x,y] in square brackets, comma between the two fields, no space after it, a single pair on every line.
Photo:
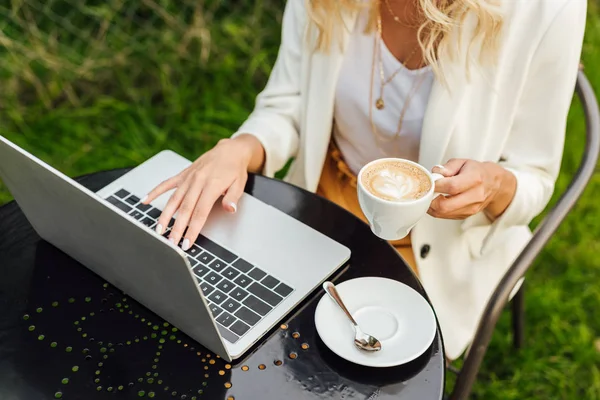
[249,148]
[504,195]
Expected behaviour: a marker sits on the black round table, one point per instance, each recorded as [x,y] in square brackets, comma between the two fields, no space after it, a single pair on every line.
[65,333]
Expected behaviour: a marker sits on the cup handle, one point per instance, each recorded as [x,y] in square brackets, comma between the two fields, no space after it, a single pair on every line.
[436,177]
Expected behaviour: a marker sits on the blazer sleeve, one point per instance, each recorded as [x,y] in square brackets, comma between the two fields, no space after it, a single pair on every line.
[534,149]
[275,118]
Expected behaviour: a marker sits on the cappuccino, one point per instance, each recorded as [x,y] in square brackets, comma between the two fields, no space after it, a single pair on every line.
[396,180]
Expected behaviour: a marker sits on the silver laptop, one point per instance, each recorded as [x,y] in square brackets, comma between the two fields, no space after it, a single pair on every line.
[243,275]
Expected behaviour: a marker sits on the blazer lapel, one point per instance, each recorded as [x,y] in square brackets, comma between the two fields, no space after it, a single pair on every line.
[445,102]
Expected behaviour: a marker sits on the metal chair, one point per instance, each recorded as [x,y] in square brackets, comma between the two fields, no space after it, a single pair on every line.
[467,374]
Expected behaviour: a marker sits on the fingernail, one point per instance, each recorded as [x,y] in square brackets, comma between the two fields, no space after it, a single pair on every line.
[233,205]
[185,246]
[172,240]
[143,200]
[159,229]
[440,167]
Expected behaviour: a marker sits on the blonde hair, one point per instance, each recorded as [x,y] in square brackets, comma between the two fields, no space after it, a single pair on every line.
[440,18]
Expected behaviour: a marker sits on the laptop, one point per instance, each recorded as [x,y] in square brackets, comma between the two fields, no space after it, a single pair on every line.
[243,275]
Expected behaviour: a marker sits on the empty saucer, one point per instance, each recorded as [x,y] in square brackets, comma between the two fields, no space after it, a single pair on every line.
[393,312]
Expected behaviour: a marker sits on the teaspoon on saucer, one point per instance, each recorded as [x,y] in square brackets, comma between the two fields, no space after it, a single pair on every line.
[362,340]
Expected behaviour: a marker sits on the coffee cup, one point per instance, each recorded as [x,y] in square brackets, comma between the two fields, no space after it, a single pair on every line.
[394,194]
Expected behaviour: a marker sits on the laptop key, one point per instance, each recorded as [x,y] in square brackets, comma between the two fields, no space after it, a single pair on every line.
[200,270]
[122,193]
[257,274]
[171,223]
[230,305]
[239,328]
[143,207]
[215,309]
[238,294]
[257,305]
[194,251]
[133,200]
[264,294]
[247,316]
[206,288]
[113,200]
[148,221]
[136,214]
[243,265]
[225,285]
[226,319]
[230,273]
[217,297]
[154,213]
[283,290]
[123,207]
[213,278]
[243,280]
[270,282]
[217,265]
[227,334]
[205,258]
[215,249]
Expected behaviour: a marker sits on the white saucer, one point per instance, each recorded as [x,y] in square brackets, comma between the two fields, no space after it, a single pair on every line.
[391,311]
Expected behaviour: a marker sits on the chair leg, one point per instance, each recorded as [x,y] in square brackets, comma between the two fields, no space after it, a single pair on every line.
[518,317]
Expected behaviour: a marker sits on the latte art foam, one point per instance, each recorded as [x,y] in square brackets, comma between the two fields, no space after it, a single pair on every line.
[396,181]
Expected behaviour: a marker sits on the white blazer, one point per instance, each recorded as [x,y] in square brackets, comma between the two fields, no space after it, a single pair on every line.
[513,112]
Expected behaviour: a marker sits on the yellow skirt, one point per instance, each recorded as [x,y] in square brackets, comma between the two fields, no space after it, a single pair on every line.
[338,184]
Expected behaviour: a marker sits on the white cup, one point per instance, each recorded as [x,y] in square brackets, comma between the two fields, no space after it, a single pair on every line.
[393,220]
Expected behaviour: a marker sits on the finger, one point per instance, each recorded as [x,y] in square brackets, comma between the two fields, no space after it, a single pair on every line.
[460,214]
[172,206]
[460,183]
[184,213]
[453,207]
[208,198]
[233,194]
[163,187]
[451,168]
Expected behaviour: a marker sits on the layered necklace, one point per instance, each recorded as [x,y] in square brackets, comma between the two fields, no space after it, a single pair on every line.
[379,103]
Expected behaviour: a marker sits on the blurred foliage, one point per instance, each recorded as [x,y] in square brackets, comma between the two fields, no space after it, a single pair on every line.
[141,75]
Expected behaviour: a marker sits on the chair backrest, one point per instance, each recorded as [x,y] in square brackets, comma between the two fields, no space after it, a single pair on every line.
[541,235]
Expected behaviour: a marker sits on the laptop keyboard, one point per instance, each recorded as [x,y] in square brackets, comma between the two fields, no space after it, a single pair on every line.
[238,293]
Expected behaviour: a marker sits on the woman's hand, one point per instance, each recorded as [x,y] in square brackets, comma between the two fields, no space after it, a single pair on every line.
[221,171]
[470,187]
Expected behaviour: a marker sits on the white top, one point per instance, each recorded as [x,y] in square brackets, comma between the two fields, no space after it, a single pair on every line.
[352,128]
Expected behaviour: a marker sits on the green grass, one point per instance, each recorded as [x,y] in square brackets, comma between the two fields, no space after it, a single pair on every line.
[110,83]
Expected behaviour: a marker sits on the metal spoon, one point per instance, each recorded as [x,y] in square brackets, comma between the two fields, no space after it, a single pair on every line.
[361,340]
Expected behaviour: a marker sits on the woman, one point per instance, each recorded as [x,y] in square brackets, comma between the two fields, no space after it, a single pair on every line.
[474,90]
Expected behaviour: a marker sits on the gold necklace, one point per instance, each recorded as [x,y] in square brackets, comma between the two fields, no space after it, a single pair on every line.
[392,13]
[378,137]
[380,103]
